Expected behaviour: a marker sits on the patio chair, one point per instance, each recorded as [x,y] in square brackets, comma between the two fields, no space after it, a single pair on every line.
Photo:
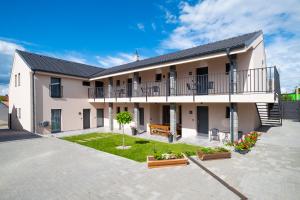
[214,133]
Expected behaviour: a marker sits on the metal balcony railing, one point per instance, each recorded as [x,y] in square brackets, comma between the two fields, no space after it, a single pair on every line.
[258,80]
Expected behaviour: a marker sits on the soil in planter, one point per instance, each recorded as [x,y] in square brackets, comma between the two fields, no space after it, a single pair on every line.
[211,156]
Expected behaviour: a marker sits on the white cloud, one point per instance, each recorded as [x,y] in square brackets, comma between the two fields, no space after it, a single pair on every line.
[3,89]
[153,25]
[169,17]
[7,50]
[119,59]
[140,26]
[213,20]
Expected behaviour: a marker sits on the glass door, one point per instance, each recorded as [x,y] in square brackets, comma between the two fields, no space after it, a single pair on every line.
[55,120]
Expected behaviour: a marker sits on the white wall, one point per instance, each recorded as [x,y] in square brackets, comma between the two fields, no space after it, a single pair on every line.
[21,96]
[74,100]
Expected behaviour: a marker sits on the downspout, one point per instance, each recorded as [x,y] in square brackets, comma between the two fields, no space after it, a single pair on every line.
[229,94]
[33,103]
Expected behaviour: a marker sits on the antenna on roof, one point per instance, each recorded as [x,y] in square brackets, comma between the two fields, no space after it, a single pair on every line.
[137,55]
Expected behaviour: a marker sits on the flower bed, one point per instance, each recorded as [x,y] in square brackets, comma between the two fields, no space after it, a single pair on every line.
[244,145]
[166,160]
[208,153]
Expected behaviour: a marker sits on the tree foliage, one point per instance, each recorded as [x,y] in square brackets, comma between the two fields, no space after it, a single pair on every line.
[124,117]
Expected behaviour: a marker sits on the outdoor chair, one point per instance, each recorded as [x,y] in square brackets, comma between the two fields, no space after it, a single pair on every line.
[214,133]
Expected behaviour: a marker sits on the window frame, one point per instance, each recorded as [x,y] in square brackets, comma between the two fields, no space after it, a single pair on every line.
[52,88]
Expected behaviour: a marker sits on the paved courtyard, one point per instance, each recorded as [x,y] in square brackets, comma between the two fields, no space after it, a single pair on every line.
[50,168]
[271,170]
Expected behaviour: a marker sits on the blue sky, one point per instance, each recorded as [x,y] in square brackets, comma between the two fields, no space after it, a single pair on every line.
[107,33]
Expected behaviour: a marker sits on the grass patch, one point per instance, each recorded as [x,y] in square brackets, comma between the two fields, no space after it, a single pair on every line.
[140,148]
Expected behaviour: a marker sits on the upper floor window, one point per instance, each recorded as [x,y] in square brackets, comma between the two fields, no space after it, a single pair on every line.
[86,83]
[125,109]
[55,87]
[227,115]
[158,77]
[19,79]
[227,70]
[16,80]
[118,83]
[118,110]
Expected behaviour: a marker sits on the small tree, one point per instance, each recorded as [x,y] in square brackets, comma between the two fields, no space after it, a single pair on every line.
[124,118]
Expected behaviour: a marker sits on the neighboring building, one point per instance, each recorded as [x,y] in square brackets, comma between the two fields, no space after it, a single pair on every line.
[3,114]
[224,85]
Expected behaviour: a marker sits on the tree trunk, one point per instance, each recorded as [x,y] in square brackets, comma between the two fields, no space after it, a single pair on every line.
[123,137]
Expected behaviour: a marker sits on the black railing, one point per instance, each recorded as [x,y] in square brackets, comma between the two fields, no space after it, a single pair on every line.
[56,91]
[258,80]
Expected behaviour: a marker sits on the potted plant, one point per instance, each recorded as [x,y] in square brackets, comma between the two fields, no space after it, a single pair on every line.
[123,118]
[166,159]
[133,129]
[170,137]
[208,153]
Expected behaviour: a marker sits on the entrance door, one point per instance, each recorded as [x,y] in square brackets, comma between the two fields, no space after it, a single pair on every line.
[86,118]
[202,120]
[166,114]
[202,81]
[129,87]
[142,120]
[55,120]
[100,117]
[99,89]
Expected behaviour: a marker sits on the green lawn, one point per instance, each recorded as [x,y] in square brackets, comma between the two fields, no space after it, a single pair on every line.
[140,148]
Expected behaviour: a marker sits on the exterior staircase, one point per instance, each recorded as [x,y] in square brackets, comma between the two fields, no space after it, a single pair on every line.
[269,114]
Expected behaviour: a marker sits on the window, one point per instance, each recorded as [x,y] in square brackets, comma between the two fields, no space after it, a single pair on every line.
[140,80]
[158,77]
[19,79]
[55,88]
[86,83]
[118,83]
[16,79]
[125,109]
[227,112]
[227,70]
[118,110]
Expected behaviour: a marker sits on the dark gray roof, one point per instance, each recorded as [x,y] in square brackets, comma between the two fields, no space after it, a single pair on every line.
[215,47]
[54,65]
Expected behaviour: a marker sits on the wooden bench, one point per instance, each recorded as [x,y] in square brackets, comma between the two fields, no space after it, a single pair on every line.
[159,129]
[163,130]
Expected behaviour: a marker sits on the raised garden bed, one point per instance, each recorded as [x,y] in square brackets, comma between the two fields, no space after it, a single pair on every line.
[153,162]
[208,153]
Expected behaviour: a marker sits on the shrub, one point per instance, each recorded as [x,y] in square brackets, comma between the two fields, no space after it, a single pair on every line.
[246,143]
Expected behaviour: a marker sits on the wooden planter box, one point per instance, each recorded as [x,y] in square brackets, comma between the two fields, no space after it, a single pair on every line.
[153,163]
[210,156]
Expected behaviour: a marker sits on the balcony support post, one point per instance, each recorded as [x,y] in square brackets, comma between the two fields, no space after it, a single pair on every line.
[234,122]
[136,112]
[233,90]
[135,84]
[110,87]
[173,121]
[173,80]
[110,116]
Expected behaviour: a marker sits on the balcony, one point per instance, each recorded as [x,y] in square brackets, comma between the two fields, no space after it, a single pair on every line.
[259,81]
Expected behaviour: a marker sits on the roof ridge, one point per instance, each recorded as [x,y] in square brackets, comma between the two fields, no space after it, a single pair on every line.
[37,54]
[206,44]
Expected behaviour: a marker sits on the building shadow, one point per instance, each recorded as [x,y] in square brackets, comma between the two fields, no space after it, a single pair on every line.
[7,135]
